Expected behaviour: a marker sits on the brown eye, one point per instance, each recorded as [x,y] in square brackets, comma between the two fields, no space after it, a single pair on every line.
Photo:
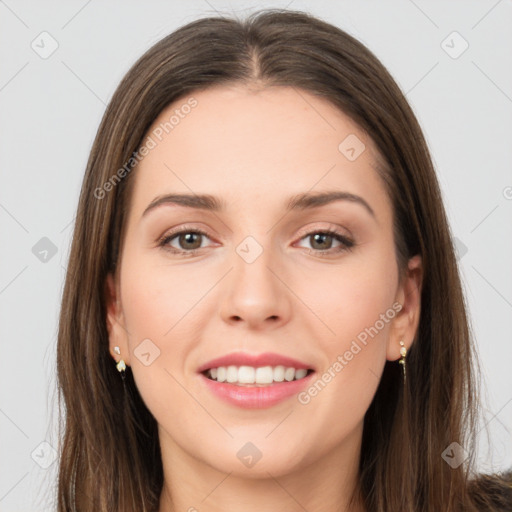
[185,242]
[189,240]
[322,242]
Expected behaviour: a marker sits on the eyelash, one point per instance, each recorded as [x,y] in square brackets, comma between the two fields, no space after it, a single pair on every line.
[347,243]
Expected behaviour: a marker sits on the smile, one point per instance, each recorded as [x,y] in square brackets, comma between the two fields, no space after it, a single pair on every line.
[255,377]
[255,387]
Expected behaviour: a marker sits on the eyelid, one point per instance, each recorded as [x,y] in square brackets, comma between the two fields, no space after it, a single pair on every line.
[302,233]
[348,241]
[182,229]
[330,227]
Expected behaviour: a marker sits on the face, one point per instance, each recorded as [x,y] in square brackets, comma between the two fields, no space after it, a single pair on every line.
[267,281]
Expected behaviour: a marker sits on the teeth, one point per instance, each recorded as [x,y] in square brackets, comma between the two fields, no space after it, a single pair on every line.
[246,375]
[265,375]
[300,374]
[221,374]
[232,374]
[289,374]
[249,375]
[279,373]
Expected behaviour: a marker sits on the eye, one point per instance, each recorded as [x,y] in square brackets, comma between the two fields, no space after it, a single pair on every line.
[189,241]
[322,241]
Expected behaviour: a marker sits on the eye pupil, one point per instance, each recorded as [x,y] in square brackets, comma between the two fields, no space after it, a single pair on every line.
[189,242]
[188,238]
[322,237]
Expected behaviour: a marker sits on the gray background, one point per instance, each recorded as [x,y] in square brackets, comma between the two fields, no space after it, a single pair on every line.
[51,108]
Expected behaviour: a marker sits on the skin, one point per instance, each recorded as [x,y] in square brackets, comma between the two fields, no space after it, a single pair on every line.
[255,148]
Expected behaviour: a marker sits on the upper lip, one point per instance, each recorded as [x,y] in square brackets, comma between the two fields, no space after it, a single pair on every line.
[254,360]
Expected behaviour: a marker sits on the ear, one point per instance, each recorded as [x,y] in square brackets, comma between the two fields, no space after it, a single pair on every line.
[117,333]
[405,324]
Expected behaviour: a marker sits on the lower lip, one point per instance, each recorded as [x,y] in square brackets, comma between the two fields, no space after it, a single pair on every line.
[256,397]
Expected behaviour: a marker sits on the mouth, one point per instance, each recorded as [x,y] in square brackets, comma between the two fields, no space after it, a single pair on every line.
[250,376]
[255,387]
[255,381]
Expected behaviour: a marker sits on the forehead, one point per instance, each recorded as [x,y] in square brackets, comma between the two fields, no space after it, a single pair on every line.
[268,144]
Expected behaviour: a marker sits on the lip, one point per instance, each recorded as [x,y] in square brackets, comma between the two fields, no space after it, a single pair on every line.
[255,360]
[252,397]
[255,397]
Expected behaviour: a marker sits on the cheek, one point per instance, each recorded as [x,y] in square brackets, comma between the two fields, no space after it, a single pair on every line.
[355,306]
[157,298]
[350,298]
[161,304]
[170,304]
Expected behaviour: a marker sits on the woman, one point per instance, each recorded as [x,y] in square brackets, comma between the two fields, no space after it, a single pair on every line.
[310,350]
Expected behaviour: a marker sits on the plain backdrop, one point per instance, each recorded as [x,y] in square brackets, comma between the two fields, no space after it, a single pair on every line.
[60,64]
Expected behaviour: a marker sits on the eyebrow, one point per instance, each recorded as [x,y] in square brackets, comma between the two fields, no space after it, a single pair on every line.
[298,202]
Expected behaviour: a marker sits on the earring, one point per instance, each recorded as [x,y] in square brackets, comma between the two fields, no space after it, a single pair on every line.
[121,365]
[403,353]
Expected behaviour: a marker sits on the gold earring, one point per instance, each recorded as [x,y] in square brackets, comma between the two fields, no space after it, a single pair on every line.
[121,365]
[403,353]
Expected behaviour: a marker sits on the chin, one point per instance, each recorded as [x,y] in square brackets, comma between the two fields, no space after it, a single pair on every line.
[255,460]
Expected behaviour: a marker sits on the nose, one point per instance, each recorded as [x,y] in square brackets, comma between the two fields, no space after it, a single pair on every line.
[256,293]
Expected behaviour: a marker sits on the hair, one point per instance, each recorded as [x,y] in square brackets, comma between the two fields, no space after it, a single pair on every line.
[110,455]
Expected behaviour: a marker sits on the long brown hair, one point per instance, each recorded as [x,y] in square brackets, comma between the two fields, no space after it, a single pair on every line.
[110,457]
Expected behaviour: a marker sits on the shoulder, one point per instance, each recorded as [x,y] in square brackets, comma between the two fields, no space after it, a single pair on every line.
[492,493]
